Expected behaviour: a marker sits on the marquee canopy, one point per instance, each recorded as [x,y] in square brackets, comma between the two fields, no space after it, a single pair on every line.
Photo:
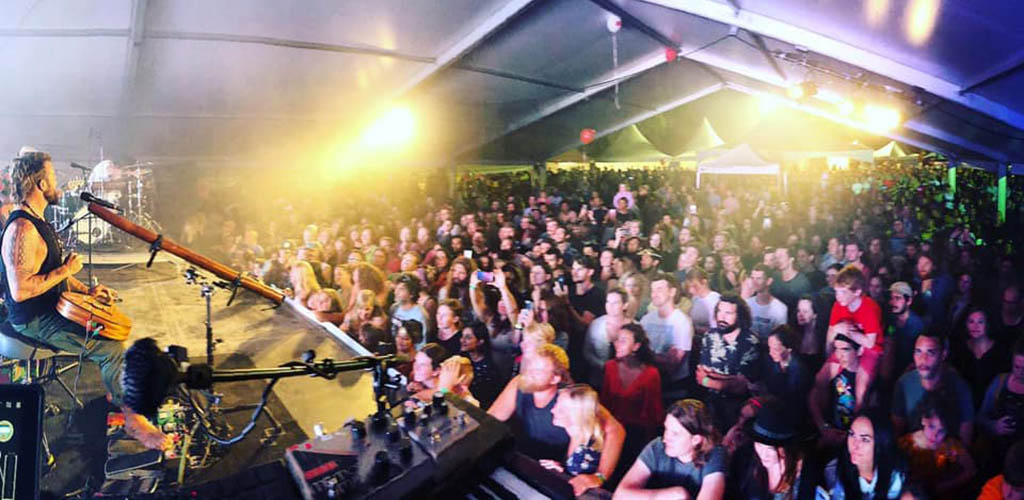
[492,80]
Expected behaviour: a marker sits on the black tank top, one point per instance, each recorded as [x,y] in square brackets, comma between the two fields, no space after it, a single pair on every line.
[21,313]
[540,438]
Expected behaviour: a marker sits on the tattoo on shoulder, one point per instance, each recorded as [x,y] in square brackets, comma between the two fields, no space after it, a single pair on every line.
[21,244]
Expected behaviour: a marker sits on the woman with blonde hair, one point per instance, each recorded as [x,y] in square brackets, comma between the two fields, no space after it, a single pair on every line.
[575,410]
[364,311]
[303,281]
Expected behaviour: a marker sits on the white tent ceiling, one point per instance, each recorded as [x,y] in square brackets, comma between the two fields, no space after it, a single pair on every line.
[493,80]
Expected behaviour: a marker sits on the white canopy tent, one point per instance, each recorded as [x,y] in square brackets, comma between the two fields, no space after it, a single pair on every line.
[740,160]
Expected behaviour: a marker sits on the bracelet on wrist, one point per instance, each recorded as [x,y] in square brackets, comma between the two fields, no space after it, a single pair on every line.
[601,477]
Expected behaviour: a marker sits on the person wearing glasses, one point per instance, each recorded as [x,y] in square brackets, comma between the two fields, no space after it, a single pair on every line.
[686,462]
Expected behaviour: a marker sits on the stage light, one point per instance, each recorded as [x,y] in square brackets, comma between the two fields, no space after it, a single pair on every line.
[768,103]
[393,129]
[920,19]
[845,107]
[881,118]
[803,90]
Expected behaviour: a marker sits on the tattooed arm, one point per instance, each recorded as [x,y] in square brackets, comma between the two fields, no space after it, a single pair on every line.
[24,252]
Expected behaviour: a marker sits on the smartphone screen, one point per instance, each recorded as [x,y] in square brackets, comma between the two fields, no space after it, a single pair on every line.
[467,254]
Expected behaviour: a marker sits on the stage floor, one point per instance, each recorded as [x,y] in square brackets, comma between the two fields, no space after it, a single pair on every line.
[250,333]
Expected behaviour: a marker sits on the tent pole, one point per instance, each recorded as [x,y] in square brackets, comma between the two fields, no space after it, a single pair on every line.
[1001,193]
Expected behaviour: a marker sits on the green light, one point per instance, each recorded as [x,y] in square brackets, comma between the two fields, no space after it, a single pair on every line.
[1001,195]
[952,179]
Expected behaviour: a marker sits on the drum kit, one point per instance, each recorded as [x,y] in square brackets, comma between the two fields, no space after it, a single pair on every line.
[130,187]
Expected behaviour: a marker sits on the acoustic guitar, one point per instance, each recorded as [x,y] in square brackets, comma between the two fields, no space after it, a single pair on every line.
[99,316]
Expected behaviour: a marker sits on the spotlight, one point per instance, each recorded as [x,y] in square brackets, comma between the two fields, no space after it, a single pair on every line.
[393,129]
[804,90]
[881,117]
[845,107]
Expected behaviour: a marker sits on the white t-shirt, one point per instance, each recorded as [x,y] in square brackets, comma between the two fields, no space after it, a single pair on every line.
[703,310]
[665,333]
[766,318]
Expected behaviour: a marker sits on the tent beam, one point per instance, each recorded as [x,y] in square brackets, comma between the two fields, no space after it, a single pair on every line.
[133,52]
[283,42]
[607,80]
[704,92]
[457,50]
[942,135]
[997,72]
[845,52]
[62,33]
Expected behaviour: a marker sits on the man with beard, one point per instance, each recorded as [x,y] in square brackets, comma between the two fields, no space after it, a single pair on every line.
[35,274]
[586,299]
[930,374]
[729,359]
[528,399]
[904,326]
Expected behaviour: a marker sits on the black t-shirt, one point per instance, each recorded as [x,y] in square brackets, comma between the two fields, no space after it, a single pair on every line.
[592,300]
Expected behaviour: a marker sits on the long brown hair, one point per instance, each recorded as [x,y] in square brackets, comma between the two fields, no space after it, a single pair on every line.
[695,417]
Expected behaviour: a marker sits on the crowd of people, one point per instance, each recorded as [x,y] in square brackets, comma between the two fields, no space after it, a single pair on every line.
[850,333]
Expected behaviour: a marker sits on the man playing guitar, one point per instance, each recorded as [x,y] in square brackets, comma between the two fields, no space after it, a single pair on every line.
[34,275]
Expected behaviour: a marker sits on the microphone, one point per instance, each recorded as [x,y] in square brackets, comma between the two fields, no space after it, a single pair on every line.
[80,167]
[90,198]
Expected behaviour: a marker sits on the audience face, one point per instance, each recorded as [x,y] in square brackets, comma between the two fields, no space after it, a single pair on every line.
[770,456]
[614,306]
[468,342]
[679,443]
[860,442]
[760,280]
[726,317]
[423,368]
[925,267]
[804,312]
[876,287]
[580,273]
[963,284]
[846,354]
[538,277]
[928,356]
[830,277]
[445,318]
[845,296]
[977,325]
[777,351]
[403,342]
[662,294]
[625,344]
[1011,301]
[538,375]
[852,253]
[898,303]
[933,430]
[1017,368]
[402,295]
[460,274]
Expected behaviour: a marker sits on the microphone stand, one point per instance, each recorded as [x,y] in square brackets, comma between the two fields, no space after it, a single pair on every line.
[202,377]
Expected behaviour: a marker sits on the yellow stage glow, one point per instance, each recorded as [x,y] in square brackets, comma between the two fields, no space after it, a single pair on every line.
[795,92]
[881,118]
[845,107]
[393,129]
[768,103]
[919,20]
